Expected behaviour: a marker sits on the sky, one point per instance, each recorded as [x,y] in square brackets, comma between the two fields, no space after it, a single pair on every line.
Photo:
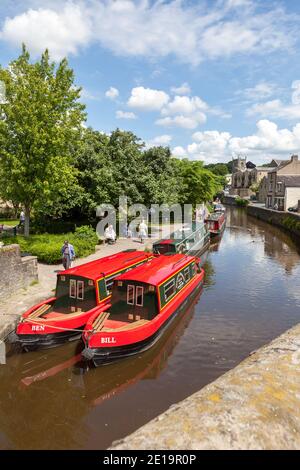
[212,79]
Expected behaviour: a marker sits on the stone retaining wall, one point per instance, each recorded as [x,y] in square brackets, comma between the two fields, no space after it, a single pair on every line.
[256,405]
[15,272]
[278,218]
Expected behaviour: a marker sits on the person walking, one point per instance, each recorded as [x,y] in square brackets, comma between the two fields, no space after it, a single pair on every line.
[22,219]
[143,231]
[68,254]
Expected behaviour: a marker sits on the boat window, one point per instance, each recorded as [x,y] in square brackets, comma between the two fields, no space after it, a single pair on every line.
[139,296]
[72,292]
[169,289]
[187,274]
[80,290]
[130,295]
[109,285]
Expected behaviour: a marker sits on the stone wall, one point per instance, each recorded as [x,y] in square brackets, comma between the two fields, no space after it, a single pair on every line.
[256,405]
[276,218]
[15,272]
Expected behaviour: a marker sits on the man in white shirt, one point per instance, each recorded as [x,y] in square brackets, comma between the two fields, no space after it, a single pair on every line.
[110,235]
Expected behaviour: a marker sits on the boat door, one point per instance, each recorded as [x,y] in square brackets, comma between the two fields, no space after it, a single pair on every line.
[140,302]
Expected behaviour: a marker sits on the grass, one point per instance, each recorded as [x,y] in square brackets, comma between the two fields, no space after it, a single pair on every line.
[9,222]
[47,247]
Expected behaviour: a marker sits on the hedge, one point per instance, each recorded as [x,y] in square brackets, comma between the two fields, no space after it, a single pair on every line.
[47,247]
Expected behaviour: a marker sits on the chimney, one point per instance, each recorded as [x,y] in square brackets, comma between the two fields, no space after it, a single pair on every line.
[294,158]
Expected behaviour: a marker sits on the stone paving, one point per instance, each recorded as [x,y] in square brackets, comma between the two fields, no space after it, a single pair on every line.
[12,308]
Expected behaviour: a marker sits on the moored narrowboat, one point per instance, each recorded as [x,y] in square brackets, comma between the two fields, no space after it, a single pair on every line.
[81,291]
[144,302]
[192,239]
[216,222]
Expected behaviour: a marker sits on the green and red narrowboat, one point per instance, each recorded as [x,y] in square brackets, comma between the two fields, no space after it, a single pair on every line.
[81,291]
[216,222]
[192,239]
[144,302]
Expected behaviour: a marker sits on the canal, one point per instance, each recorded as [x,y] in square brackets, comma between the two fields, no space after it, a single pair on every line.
[48,400]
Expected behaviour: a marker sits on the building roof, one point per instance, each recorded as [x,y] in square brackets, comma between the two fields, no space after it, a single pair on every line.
[289,181]
[264,168]
[107,265]
[158,269]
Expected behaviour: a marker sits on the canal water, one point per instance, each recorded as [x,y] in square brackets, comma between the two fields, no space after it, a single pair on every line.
[48,400]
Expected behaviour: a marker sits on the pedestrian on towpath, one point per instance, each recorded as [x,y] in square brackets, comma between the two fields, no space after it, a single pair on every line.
[68,254]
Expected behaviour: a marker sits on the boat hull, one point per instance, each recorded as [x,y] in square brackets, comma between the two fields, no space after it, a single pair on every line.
[34,342]
[106,355]
[31,335]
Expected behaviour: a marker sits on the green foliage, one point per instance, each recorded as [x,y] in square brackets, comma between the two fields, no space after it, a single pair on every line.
[42,123]
[197,184]
[291,223]
[241,202]
[220,169]
[48,247]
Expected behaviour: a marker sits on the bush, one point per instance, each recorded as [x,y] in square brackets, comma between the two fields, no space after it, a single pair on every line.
[47,247]
[291,223]
[241,202]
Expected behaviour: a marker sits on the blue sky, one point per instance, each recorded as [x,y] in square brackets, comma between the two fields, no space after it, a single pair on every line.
[211,79]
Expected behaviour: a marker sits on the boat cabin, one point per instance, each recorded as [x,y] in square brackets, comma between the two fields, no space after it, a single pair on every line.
[144,292]
[82,288]
[216,222]
[193,239]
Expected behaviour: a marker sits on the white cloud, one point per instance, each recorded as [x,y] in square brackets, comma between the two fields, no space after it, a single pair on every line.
[125,115]
[260,91]
[277,108]
[179,152]
[112,93]
[268,142]
[183,89]
[186,122]
[160,140]
[184,105]
[147,99]
[191,32]
[63,31]
[87,95]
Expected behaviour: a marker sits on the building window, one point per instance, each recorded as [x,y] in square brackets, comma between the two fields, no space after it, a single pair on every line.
[80,290]
[169,289]
[139,299]
[130,295]
[279,187]
[72,292]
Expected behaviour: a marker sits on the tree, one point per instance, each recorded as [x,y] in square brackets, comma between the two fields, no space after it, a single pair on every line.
[199,184]
[41,123]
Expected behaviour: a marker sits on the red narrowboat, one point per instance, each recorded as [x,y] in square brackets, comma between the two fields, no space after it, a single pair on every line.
[144,301]
[81,291]
[216,223]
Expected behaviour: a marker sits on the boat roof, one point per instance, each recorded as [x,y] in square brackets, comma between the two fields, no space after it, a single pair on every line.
[107,265]
[215,215]
[181,234]
[157,270]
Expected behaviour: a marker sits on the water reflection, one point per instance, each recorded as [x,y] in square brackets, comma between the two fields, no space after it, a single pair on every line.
[251,294]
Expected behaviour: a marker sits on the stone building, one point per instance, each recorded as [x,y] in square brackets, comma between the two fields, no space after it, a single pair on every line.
[283,184]
[246,174]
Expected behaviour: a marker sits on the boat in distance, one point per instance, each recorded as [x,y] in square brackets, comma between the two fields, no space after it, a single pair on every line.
[192,239]
[144,302]
[81,291]
[216,222]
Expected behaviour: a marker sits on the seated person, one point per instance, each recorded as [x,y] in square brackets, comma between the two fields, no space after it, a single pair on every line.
[110,235]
